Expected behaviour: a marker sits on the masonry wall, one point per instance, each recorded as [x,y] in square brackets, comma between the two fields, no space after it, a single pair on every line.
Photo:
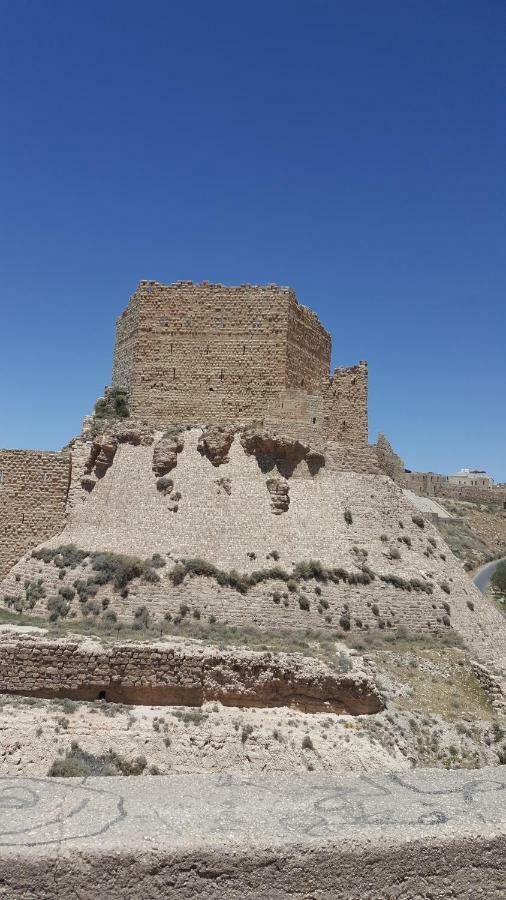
[33,491]
[125,350]
[345,405]
[191,353]
[184,675]
[308,349]
[427,484]
[203,352]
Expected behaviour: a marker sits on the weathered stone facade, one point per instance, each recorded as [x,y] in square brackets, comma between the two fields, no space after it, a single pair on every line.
[33,493]
[206,353]
[180,674]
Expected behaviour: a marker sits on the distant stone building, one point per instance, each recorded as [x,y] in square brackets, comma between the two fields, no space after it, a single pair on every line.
[426,484]
[472,478]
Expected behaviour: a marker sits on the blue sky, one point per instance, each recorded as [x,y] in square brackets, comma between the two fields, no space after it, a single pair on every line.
[354,150]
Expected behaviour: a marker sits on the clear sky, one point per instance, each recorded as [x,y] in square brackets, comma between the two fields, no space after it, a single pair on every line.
[353,149]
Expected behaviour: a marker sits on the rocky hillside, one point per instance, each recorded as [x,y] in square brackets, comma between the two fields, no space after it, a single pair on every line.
[477,533]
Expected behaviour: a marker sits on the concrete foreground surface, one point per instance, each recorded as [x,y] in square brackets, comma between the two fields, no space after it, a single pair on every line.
[431,833]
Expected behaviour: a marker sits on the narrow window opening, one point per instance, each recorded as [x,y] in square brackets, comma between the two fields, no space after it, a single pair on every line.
[314,420]
[221,375]
[173,374]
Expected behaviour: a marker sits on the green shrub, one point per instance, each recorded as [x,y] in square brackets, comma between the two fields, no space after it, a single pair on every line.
[157,561]
[116,568]
[498,579]
[307,743]
[418,520]
[348,518]
[304,603]
[66,556]
[246,732]
[58,607]
[141,618]
[178,574]
[113,406]
[78,763]
[151,576]
[34,591]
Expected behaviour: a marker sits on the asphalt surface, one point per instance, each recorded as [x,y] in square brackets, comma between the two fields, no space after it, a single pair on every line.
[207,811]
[482,578]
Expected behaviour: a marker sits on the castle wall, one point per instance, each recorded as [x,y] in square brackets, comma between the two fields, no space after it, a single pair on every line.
[124,352]
[345,405]
[191,353]
[308,349]
[33,491]
[205,352]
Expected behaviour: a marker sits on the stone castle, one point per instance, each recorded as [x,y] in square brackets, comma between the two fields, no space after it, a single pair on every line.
[202,353]
[241,465]
[206,353]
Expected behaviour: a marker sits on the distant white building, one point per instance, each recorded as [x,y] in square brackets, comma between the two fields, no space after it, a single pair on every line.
[472,478]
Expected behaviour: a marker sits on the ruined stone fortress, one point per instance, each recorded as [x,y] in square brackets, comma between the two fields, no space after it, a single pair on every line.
[234,486]
[199,354]
[206,353]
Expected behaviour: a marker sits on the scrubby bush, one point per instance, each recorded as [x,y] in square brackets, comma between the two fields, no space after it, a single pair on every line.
[157,561]
[151,576]
[418,520]
[304,603]
[65,556]
[246,732]
[141,618]
[78,763]
[307,743]
[116,568]
[58,607]
[113,406]
[348,518]
[34,591]
[498,580]
[445,587]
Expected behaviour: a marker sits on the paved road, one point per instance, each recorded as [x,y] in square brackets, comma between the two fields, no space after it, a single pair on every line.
[197,809]
[482,578]
[407,835]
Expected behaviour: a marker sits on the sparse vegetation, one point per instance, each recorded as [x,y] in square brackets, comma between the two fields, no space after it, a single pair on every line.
[79,763]
[113,406]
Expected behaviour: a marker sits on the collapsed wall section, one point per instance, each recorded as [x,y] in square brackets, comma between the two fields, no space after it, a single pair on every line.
[345,405]
[33,492]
